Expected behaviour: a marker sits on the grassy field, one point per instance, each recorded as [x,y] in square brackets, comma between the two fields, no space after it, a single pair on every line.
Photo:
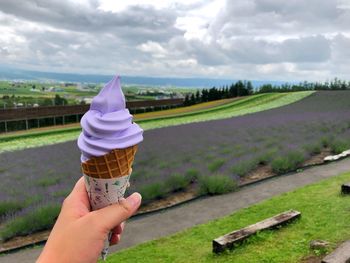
[325,215]
[25,89]
[197,113]
[244,106]
[183,110]
[26,94]
[137,117]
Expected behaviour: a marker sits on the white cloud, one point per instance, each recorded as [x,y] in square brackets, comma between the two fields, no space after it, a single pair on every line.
[154,48]
[120,6]
[250,39]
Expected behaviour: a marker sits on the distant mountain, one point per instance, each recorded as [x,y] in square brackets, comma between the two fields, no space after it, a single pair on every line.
[20,74]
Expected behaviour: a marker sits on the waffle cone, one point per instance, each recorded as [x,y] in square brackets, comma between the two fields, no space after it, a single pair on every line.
[114,164]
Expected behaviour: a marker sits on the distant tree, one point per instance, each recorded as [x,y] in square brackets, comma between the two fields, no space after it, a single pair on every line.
[233,91]
[33,87]
[60,101]
[198,96]
[343,85]
[205,95]
[240,88]
[192,99]
[212,94]
[46,102]
[187,100]
[226,92]
[266,88]
[250,88]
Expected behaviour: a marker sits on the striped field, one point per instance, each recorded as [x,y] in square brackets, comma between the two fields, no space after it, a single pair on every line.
[197,113]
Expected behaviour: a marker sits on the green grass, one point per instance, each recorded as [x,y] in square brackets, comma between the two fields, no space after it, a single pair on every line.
[8,207]
[287,163]
[325,215]
[313,148]
[338,146]
[152,191]
[39,219]
[216,184]
[45,182]
[266,157]
[33,199]
[243,106]
[177,182]
[61,193]
[183,110]
[244,167]
[326,140]
[37,140]
[215,165]
[192,174]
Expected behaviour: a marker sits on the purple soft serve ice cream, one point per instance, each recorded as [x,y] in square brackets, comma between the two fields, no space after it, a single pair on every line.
[108,124]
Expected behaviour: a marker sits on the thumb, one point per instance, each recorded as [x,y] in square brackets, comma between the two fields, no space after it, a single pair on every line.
[111,216]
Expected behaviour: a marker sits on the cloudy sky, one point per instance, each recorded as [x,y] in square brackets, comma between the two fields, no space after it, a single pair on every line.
[240,39]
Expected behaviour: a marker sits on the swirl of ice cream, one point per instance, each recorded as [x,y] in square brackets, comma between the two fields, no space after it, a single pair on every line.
[108,124]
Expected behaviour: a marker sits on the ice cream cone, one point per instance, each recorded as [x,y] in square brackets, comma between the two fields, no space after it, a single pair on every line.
[108,144]
[114,164]
[106,179]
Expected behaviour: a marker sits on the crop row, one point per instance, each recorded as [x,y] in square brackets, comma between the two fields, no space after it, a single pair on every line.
[240,107]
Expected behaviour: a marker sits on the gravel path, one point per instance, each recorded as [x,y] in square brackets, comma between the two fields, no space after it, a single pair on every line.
[202,210]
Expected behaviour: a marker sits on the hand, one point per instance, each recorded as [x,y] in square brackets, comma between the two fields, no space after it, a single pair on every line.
[78,235]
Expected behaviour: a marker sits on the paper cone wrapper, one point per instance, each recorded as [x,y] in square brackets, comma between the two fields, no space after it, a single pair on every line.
[105,192]
[106,179]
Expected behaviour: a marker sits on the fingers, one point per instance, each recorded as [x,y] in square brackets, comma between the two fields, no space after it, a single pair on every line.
[116,234]
[111,216]
[114,239]
[119,228]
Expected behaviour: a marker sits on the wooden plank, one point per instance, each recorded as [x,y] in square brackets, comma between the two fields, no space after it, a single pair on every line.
[230,240]
[339,255]
[345,189]
[20,242]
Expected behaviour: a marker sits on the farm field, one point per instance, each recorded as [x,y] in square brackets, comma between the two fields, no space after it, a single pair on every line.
[174,158]
[43,93]
[197,114]
[181,110]
[244,106]
[137,117]
[325,216]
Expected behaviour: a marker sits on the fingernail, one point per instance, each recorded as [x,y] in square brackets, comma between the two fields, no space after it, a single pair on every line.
[134,200]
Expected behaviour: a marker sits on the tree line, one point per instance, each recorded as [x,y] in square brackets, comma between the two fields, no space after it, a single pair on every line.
[244,88]
[335,84]
[13,101]
[240,88]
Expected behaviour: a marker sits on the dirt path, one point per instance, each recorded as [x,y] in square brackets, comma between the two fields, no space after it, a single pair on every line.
[203,210]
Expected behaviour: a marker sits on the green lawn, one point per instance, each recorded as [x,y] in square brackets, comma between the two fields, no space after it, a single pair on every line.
[243,106]
[325,215]
[36,140]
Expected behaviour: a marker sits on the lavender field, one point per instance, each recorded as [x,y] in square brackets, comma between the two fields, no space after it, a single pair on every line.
[171,158]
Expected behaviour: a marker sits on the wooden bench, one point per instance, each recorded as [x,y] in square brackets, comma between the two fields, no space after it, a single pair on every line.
[345,189]
[339,255]
[230,240]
